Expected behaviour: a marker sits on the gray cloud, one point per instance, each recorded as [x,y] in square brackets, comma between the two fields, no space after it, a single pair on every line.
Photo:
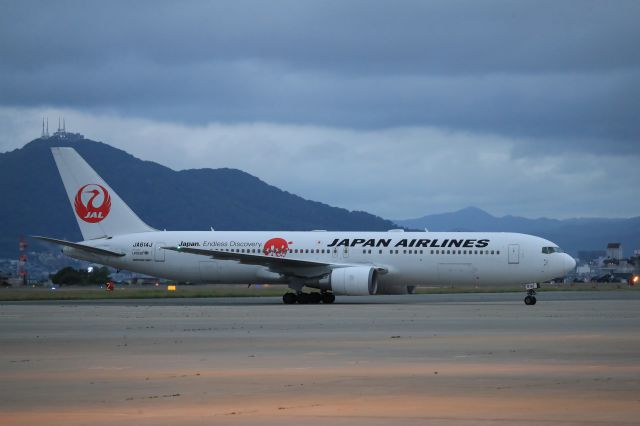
[546,69]
[553,78]
[407,36]
[395,173]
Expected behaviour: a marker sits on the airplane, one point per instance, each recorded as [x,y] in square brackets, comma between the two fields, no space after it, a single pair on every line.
[335,263]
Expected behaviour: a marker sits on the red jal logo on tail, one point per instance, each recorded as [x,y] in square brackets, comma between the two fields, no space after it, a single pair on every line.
[92,203]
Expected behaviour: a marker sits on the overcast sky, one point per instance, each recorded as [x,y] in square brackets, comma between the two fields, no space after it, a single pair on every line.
[399,108]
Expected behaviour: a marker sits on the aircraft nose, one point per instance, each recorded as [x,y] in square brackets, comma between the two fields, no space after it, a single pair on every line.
[569,263]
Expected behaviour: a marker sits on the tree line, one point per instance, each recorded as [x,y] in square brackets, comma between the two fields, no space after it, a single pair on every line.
[71,276]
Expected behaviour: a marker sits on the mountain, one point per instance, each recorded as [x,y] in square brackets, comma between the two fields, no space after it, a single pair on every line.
[572,235]
[34,201]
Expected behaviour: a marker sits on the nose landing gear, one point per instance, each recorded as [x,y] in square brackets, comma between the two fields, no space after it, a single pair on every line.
[530,298]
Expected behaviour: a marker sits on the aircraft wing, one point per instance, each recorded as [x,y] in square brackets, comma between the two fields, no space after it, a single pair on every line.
[292,267]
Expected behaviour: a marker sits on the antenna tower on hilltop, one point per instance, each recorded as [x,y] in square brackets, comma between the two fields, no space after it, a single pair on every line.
[45,130]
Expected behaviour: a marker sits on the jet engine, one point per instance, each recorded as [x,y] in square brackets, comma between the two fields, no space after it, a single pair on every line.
[354,281]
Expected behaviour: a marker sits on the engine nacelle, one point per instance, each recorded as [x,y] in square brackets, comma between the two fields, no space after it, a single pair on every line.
[354,281]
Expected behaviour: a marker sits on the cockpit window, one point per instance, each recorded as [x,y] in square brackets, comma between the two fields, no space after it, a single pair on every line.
[549,250]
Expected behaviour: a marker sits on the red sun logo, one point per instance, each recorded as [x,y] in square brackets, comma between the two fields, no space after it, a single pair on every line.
[92,203]
[278,247]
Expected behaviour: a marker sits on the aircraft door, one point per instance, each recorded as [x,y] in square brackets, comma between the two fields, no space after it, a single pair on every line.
[345,252]
[514,253]
[160,252]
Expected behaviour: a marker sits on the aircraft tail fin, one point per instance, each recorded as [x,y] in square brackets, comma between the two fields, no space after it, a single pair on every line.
[100,212]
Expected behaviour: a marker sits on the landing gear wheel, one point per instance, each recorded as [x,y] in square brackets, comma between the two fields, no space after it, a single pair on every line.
[304,298]
[289,298]
[328,298]
[530,299]
[315,298]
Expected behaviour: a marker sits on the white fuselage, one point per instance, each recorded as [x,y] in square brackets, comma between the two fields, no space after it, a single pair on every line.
[408,258]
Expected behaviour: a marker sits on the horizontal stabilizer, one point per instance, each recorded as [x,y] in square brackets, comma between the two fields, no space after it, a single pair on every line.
[79,246]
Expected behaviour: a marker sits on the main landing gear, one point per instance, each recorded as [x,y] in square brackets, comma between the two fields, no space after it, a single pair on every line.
[530,298]
[308,298]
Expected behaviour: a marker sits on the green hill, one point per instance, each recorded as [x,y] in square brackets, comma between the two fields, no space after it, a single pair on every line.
[34,201]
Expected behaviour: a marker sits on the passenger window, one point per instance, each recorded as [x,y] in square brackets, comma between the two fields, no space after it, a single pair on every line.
[492,252]
[480,251]
[379,251]
[498,252]
[448,251]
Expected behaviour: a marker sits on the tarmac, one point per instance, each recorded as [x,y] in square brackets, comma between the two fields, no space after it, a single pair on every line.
[462,359]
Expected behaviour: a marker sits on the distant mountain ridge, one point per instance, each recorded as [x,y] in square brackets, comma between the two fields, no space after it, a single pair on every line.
[572,235]
[35,203]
